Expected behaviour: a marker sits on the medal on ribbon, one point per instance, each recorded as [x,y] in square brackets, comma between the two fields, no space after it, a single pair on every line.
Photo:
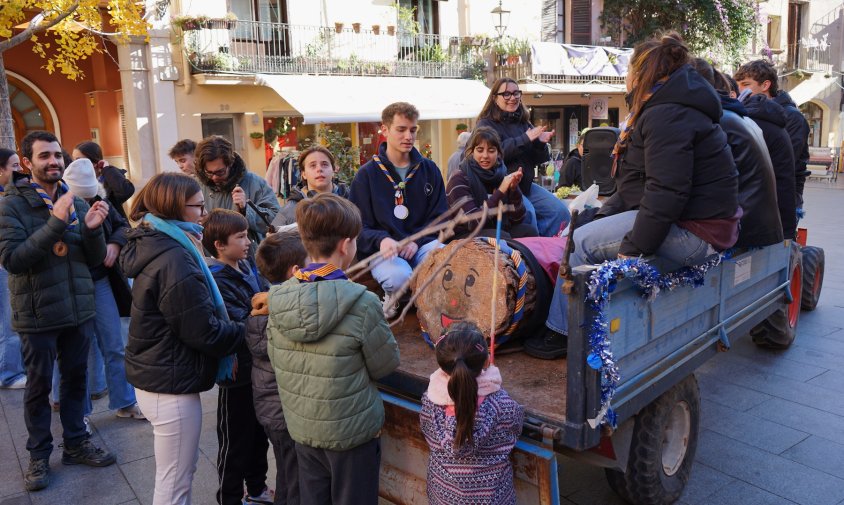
[400,211]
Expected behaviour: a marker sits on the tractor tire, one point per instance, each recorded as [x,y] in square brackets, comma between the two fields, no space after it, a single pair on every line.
[813,269]
[780,329]
[662,449]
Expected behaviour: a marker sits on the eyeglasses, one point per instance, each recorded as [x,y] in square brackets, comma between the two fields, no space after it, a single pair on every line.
[510,94]
[217,173]
[200,206]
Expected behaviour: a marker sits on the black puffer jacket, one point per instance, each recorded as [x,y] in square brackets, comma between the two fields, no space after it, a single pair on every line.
[760,223]
[237,290]
[48,292]
[118,188]
[264,386]
[677,165]
[114,232]
[518,149]
[798,132]
[771,119]
[572,172]
[175,336]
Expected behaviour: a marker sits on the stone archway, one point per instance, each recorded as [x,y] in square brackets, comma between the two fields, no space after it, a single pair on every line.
[31,109]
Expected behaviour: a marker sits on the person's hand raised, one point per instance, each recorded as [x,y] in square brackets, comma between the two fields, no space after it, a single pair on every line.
[96,215]
[63,207]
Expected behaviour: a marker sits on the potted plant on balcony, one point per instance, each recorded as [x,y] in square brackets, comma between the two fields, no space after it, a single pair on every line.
[230,19]
[257,139]
[338,26]
[356,27]
[376,29]
[391,30]
[461,127]
[188,23]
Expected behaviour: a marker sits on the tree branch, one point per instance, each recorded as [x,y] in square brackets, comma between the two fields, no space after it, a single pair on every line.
[35,26]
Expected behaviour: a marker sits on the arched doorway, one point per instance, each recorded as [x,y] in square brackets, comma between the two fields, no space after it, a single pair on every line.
[814,115]
[29,109]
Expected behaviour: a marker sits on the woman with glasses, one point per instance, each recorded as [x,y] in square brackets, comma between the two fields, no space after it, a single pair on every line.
[179,330]
[524,147]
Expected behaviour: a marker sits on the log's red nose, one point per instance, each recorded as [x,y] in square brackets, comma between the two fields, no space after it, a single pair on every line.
[453,302]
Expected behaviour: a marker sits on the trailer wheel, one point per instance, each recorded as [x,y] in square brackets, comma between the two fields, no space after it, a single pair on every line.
[780,329]
[662,449]
[813,268]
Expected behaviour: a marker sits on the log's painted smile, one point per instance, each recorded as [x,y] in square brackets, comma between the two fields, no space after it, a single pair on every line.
[446,321]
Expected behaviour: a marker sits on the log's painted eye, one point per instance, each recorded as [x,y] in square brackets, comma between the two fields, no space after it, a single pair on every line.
[470,281]
[448,279]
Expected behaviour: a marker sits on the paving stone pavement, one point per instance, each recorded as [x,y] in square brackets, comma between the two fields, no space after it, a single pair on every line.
[772,422]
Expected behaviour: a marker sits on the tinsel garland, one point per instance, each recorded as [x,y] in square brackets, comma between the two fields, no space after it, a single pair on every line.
[602,282]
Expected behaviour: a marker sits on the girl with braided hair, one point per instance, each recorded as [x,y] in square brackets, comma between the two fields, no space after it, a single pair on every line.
[470,424]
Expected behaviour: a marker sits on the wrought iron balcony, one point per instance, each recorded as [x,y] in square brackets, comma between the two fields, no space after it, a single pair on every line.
[814,52]
[552,63]
[280,48]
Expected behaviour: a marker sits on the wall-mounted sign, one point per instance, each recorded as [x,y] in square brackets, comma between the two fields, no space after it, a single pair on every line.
[599,108]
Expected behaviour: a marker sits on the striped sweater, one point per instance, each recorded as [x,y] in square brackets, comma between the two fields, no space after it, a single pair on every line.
[479,473]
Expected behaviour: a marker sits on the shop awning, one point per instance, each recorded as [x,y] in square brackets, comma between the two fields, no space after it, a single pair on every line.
[815,87]
[342,99]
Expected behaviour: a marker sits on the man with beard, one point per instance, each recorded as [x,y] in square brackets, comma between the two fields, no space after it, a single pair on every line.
[49,240]
[227,184]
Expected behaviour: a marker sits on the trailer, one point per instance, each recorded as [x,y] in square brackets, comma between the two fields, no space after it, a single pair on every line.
[657,344]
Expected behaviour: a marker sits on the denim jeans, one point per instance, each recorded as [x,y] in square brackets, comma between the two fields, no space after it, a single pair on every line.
[545,211]
[392,274]
[40,351]
[109,343]
[11,359]
[600,241]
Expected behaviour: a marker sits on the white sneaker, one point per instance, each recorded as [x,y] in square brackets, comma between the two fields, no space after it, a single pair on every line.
[18,383]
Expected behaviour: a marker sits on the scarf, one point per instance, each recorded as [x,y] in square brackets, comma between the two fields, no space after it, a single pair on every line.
[627,126]
[49,201]
[320,272]
[178,231]
[489,381]
[480,179]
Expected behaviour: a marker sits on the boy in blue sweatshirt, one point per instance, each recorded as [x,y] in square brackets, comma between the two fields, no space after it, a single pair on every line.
[242,453]
[398,192]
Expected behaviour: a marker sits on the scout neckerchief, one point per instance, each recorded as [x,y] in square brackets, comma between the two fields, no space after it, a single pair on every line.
[401,211]
[627,129]
[320,272]
[59,248]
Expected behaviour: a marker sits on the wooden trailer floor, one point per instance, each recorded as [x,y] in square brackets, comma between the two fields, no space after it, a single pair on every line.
[537,384]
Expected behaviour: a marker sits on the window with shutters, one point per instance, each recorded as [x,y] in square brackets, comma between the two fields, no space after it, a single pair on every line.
[552,21]
[581,22]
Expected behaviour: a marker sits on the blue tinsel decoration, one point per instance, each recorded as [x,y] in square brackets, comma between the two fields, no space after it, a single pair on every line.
[601,284]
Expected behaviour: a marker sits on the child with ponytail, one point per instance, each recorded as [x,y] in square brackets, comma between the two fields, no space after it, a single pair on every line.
[470,424]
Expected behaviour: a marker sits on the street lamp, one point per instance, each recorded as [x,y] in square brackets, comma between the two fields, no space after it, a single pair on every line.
[500,16]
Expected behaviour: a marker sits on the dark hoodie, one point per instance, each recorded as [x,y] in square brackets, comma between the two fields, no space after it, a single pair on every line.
[677,167]
[175,335]
[375,198]
[572,172]
[798,132]
[771,119]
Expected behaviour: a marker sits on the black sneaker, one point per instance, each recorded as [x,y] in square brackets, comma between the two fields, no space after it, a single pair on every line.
[37,475]
[550,345]
[87,453]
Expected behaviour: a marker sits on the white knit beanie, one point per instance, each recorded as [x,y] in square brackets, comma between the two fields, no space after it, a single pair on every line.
[81,178]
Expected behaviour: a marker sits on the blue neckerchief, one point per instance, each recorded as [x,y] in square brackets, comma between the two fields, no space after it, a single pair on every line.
[177,231]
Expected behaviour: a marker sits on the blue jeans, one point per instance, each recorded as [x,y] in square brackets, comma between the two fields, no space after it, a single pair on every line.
[108,338]
[545,211]
[392,274]
[11,359]
[600,241]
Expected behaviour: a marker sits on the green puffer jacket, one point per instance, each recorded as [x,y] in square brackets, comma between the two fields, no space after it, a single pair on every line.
[328,341]
[48,292]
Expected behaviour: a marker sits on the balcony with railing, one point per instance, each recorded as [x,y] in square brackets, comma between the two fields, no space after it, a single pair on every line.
[278,48]
[816,52]
[552,63]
